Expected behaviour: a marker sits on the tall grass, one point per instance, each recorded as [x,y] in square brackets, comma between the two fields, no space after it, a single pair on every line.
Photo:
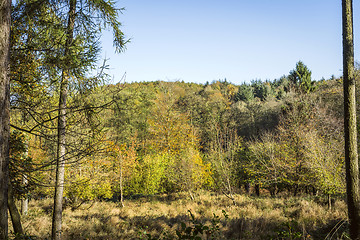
[161,215]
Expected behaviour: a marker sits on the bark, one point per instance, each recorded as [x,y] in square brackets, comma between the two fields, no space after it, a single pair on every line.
[273,190]
[4,114]
[25,200]
[15,215]
[315,191]
[61,152]
[296,190]
[257,190]
[247,188]
[60,167]
[351,154]
[121,183]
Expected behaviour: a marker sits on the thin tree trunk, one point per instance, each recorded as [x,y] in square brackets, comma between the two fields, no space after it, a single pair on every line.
[61,152]
[296,190]
[351,154]
[5,6]
[121,183]
[247,188]
[230,191]
[257,190]
[314,191]
[273,190]
[14,213]
[25,200]
[60,166]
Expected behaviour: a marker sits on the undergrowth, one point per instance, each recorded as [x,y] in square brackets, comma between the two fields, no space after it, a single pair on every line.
[209,216]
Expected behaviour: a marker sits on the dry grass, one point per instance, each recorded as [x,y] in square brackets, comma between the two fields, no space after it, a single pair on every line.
[251,218]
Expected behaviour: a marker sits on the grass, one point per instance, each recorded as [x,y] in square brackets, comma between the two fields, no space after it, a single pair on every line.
[161,215]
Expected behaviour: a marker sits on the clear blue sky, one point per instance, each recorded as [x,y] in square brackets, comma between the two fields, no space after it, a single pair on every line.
[240,40]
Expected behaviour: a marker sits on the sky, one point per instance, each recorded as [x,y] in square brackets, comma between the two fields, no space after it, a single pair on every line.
[240,40]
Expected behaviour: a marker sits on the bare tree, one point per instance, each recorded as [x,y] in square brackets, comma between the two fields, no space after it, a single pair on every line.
[351,154]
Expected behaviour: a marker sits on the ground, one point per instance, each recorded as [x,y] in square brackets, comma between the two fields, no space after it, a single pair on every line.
[160,216]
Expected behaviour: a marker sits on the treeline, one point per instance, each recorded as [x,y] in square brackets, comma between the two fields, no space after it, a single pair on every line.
[162,137]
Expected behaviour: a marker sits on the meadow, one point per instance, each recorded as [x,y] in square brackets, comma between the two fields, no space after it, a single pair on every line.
[215,217]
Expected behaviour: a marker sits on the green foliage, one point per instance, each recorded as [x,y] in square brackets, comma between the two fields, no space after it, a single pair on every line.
[300,152]
[85,188]
[262,90]
[130,112]
[245,93]
[168,173]
[301,78]
[193,136]
[190,137]
[154,172]
[21,164]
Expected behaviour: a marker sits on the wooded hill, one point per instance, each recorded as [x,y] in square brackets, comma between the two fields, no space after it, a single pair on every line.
[281,136]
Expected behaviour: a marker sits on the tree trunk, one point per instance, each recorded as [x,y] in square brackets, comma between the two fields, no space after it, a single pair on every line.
[61,152]
[315,191]
[14,213]
[247,188]
[296,190]
[273,189]
[5,6]
[121,183]
[257,190]
[60,166]
[25,200]
[351,154]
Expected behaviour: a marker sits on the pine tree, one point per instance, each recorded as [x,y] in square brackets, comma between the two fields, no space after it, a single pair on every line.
[301,78]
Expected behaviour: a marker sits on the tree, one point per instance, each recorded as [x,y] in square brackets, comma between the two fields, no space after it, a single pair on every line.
[245,93]
[262,90]
[77,56]
[123,159]
[303,152]
[19,166]
[173,146]
[224,160]
[5,7]
[351,154]
[301,78]
[61,141]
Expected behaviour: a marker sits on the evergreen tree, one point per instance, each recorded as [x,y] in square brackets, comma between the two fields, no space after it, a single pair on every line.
[245,93]
[301,78]
[70,31]
[75,32]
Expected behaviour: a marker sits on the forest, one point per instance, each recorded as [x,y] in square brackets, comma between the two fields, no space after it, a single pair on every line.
[132,141]
[91,159]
